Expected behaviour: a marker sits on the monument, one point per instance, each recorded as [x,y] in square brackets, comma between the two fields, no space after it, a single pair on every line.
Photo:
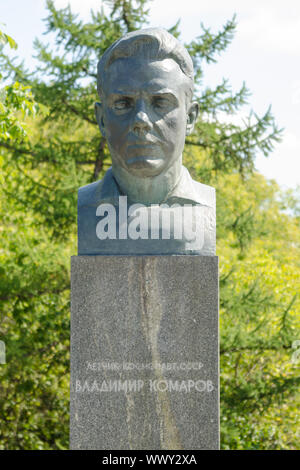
[144,286]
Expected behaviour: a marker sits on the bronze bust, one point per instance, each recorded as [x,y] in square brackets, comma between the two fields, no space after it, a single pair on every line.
[147,202]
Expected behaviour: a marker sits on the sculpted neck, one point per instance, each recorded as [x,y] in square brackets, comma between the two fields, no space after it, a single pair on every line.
[148,190]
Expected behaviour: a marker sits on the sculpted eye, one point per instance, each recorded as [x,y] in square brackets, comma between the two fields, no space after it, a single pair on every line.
[160,102]
[164,102]
[122,104]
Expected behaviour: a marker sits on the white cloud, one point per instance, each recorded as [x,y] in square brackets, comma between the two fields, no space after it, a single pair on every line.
[283,164]
[272,30]
[83,7]
[272,26]
[296,92]
[240,118]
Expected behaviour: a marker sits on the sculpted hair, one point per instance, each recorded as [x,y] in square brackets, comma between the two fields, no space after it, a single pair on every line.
[149,44]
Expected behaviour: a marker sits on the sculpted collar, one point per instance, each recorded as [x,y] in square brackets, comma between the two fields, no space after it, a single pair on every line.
[187,191]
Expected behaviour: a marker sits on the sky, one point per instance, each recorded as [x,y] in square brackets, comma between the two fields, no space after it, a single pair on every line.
[265,53]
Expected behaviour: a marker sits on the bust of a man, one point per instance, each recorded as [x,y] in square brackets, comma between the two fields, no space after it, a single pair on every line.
[147,202]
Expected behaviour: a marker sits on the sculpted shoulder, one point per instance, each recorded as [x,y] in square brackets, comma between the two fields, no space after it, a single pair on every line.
[105,190]
[189,191]
[206,193]
[87,195]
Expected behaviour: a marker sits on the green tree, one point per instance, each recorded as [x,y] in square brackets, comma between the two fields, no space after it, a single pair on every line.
[16,103]
[257,240]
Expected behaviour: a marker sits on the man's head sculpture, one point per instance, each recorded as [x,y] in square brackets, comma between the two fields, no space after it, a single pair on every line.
[145,84]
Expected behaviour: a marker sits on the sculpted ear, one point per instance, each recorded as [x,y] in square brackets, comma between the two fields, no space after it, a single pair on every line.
[99,117]
[192,117]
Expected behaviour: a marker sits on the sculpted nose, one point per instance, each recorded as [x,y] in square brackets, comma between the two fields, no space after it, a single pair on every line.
[142,121]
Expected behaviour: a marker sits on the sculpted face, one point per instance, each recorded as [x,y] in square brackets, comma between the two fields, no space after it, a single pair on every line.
[145,114]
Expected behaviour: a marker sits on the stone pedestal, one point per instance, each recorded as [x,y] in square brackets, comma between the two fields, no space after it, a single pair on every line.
[144,352]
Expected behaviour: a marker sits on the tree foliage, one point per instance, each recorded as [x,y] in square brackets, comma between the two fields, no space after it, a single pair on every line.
[257,231]
[16,103]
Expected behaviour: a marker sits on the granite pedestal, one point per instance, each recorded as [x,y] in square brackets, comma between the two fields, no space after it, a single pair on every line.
[144,352]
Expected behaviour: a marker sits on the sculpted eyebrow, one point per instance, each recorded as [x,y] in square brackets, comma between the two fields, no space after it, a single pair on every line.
[164,93]
[117,93]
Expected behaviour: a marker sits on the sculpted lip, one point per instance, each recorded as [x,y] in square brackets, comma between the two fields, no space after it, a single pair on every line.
[142,158]
[141,145]
[145,141]
[142,149]
[137,151]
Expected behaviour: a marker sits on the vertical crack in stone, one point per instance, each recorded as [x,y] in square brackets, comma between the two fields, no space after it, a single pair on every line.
[136,436]
[120,375]
[129,397]
[151,320]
